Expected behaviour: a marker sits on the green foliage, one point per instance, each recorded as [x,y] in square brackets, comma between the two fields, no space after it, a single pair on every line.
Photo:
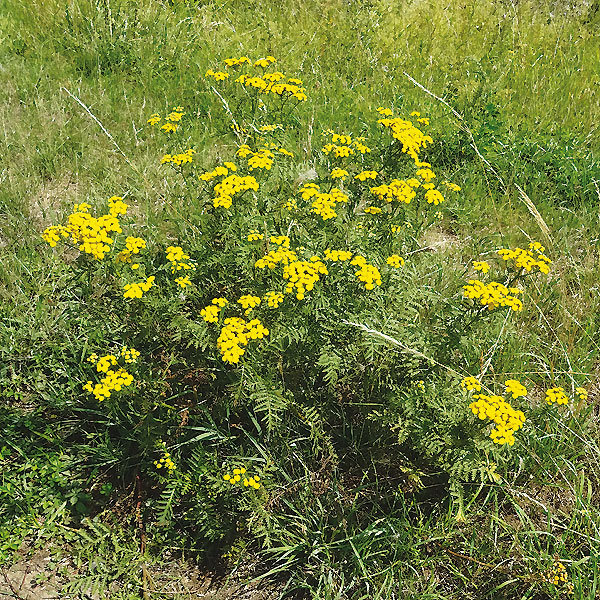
[349,409]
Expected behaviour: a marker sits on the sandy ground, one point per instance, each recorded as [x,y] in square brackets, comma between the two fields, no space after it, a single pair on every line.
[39,577]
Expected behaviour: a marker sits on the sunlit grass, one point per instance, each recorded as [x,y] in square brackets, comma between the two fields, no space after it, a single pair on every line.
[77,83]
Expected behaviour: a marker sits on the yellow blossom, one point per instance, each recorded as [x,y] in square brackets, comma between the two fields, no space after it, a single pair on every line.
[395,261]
[556,395]
[515,388]
[255,235]
[364,175]
[339,173]
[154,119]
[471,383]
[273,299]
[136,290]
[507,420]
[183,281]
[493,295]
[482,266]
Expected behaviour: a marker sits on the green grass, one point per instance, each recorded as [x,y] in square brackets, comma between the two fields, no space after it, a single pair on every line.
[520,105]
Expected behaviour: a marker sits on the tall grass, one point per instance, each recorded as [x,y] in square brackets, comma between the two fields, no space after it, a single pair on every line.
[513,91]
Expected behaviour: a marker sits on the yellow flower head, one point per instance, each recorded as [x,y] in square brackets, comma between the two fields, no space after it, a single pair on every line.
[471,383]
[515,388]
[395,261]
[339,173]
[556,395]
[481,265]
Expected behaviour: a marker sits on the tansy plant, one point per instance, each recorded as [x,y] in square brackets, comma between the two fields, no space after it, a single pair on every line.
[293,303]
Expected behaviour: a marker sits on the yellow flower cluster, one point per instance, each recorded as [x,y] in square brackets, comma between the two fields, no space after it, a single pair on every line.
[254,235]
[211,312]
[323,203]
[172,119]
[471,383]
[103,363]
[339,173]
[338,151]
[426,173]
[236,334]
[114,380]
[557,576]
[90,234]
[274,257]
[582,393]
[337,255]
[264,62]
[280,240]
[481,265]
[267,83]
[336,138]
[165,462]
[133,245]
[273,299]
[249,302]
[217,75]
[343,145]
[302,275]
[234,184]
[154,119]
[183,282]
[175,115]
[291,204]
[422,120]
[368,274]
[395,261]
[364,175]
[373,210]
[177,257]
[273,77]
[236,477]
[556,395]
[515,388]
[52,234]
[261,159]
[451,186]
[507,419]
[130,355]
[289,89]
[234,62]
[116,206]
[413,140]
[178,159]
[398,190]
[218,171]
[524,259]
[493,295]
[433,197]
[256,82]
[136,290]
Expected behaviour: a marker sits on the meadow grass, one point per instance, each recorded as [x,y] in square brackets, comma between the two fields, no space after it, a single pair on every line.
[513,93]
